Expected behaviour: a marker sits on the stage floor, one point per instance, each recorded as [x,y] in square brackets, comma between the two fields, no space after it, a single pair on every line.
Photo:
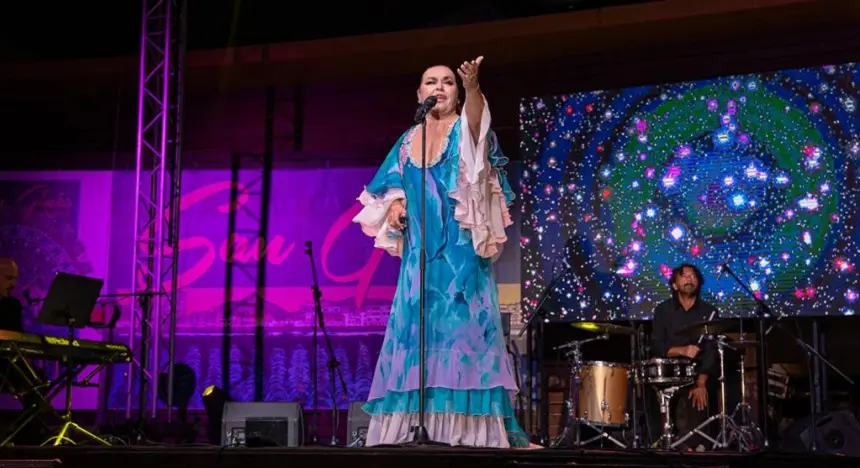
[164,456]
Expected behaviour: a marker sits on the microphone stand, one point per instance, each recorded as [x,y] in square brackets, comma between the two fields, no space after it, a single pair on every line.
[811,352]
[543,436]
[333,364]
[421,436]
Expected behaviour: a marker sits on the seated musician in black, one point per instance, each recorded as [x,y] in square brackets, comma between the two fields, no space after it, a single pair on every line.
[11,310]
[690,407]
[11,319]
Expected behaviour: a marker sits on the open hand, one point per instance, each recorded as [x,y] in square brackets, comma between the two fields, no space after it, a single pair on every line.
[468,72]
[699,397]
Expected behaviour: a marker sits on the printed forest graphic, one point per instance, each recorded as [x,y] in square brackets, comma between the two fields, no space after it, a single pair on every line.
[287,374]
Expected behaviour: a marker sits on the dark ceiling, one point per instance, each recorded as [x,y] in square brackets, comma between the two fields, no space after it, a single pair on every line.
[40,29]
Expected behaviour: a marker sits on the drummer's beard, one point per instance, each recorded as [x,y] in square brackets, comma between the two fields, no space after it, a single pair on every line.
[688,290]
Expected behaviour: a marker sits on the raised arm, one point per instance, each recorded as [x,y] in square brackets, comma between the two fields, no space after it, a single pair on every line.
[473,107]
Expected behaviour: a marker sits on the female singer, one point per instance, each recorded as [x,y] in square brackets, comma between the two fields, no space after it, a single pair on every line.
[469,377]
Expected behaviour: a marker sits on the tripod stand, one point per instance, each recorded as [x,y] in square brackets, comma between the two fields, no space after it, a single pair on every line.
[811,352]
[69,303]
[333,364]
[747,431]
[726,423]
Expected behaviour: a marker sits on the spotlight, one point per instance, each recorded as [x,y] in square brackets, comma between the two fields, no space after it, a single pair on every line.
[214,400]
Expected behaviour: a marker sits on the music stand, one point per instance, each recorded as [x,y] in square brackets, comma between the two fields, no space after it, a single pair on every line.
[69,303]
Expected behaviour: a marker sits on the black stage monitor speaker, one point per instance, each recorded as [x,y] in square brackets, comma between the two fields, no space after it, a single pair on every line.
[262,424]
[837,432]
[357,422]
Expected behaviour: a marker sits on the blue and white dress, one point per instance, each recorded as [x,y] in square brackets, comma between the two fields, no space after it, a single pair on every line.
[469,375]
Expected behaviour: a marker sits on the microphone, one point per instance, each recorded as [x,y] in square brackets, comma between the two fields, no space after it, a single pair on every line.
[773,324]
[722,266]
[710,318]
[424,108]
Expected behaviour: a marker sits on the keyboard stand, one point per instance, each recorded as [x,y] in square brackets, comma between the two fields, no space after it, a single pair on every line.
[34,384]
[45,390]
[69,303]
[71,374]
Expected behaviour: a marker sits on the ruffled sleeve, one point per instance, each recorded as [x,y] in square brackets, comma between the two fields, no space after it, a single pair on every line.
[482,195]
[376,199]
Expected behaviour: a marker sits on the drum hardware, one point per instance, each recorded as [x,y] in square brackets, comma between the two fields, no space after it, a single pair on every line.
[726,423]
[746,431]
[666,372]
[709,328]
[666,427]
[604,328]
[594,388]
[666,376]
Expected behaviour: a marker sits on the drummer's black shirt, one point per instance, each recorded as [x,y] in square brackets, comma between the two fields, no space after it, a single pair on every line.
[670,318]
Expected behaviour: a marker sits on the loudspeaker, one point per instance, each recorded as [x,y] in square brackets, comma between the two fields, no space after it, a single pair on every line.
[262,423]
[357,422]
[836,432]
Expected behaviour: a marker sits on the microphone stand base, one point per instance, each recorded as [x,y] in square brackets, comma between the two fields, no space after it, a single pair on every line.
[420,435]
[420,438]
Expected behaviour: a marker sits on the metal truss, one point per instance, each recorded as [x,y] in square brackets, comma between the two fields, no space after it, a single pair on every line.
[152,322]
[248,231]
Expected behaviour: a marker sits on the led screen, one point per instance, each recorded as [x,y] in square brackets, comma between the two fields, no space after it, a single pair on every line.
[621,185]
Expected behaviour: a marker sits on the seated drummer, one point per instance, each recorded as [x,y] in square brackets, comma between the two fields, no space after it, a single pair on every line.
[11,319]
[686,308]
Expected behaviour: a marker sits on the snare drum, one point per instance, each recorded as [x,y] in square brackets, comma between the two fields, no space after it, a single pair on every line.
[603,394]
[666,372]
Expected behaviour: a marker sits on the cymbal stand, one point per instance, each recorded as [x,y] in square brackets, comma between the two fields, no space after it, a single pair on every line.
[634,388]
[745,431]
[572,404]
[726,423]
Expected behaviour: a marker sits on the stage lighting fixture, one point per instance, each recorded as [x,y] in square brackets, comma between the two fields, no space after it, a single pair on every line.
[214,400]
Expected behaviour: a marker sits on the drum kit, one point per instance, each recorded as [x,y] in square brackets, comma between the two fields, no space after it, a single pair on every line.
[598,397]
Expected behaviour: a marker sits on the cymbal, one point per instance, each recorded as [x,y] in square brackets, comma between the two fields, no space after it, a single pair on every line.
[743,344]
[714,327]
[604,328]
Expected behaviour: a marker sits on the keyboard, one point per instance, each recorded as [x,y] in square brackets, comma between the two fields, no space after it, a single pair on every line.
[56,348]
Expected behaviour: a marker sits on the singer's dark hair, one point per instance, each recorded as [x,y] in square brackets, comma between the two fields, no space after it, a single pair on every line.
[679,270]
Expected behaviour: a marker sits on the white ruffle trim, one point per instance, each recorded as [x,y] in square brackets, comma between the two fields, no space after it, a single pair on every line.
[480,202]
[449,428]
[373,219]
